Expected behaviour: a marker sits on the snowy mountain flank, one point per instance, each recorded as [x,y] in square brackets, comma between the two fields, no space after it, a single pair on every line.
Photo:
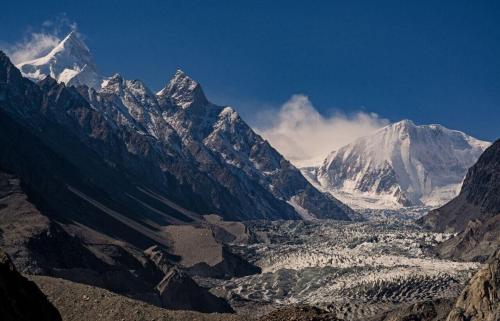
[202,148]
[69,62]
[400,165]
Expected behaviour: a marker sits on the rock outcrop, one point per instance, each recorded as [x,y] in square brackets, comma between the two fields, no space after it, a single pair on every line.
[480,300]
[21,299]
[474,214]
[202,254]
[179,292]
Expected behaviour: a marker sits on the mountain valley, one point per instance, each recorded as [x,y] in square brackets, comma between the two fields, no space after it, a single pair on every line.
[118,203]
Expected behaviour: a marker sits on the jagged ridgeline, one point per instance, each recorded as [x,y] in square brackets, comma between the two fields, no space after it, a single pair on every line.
[102,169]
[173,144]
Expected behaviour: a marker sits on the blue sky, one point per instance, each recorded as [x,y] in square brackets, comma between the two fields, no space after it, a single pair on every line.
[429,61]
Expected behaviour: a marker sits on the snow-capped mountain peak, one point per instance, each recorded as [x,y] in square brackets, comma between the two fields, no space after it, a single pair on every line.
[213,154]
[184,91]
[70,62]
[75,45]
[404,123]
[402,164]
[114,84]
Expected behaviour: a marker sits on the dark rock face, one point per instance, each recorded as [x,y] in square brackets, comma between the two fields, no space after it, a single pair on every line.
[480,300]
[474,212]
[482,183]
[228,150]
[476,243]
[230,266]
[179,292]
[35,242]
[478,199]
[20,299]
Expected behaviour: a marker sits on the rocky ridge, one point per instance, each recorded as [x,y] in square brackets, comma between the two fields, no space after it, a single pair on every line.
[474,214]
[207,148]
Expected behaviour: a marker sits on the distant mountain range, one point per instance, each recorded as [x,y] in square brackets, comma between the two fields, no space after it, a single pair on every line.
[202,156]
[109,173]
[400,165]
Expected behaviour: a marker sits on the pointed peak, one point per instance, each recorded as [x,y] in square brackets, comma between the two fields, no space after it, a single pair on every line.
[2,55]
[47,82]
[139,87]
[116,78]
[402,125]
[70,62]
[73,42]
[113,84]
[4,59]
[180,73]
[71,35]
[183,91]
[405,122]
[181,78]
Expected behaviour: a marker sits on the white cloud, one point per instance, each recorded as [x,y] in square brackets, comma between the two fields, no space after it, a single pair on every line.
[33,46]
[39,43]
[305,137]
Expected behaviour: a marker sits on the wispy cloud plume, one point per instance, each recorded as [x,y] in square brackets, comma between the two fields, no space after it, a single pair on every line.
[38,43]
[305,137]
[32,47]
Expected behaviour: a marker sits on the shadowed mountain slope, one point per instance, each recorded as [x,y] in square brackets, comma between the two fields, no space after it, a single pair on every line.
[474,213]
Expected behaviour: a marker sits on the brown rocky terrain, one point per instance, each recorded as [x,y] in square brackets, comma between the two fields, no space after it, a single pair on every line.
[299,313]
[422,311]
[180,292]
[480,300]
[203,252]
[79,302]
[89,257]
